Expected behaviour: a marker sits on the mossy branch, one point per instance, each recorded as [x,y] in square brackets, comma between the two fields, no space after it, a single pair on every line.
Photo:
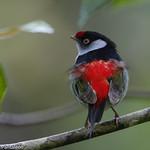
[80,134]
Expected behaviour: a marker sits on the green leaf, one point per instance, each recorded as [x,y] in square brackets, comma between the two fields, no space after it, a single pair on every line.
[123,2]
[38,26]
[87,9]
[3,84]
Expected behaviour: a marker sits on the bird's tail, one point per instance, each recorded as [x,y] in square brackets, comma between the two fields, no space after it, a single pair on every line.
[95,113]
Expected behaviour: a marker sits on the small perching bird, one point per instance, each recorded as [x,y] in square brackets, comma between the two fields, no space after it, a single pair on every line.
[99,77]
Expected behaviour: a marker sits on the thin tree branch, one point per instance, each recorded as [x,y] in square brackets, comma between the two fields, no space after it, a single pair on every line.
[80,134]
[16,119]
[50,114]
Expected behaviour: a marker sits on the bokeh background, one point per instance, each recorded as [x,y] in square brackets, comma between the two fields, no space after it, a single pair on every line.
[36,65]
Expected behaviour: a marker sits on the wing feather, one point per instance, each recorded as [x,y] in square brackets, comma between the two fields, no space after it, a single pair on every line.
[118,86]
[81,88]
[83,91]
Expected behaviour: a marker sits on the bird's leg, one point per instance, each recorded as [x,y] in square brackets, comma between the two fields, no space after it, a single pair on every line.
[86,123]
[116,116]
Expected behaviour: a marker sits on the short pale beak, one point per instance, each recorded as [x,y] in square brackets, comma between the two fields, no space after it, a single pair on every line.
[74,38]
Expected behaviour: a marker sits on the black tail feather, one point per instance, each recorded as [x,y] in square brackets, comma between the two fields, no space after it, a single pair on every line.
[94,115]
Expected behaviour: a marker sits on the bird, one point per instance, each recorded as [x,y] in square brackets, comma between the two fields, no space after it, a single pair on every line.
[99,77]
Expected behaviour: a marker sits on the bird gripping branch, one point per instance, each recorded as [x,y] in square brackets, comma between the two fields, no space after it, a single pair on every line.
[99,77]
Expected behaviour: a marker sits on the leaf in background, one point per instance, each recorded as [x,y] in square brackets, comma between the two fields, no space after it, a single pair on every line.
[3,84]
[33,27]
[37,27]
[87,9]
[123,2]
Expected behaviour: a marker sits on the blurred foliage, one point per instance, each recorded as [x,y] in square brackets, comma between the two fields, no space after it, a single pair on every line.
[9,32]
[88,7]
[35,64]
[3,85]
[124,2]
[33,27]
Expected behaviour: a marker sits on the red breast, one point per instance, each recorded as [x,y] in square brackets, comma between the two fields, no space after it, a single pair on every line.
[97,74]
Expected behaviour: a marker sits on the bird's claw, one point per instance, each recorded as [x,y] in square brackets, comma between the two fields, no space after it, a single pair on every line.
[90,129]
[90,132]
[117,120]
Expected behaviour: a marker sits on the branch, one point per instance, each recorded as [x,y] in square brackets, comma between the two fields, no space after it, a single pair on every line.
[17,119]
[78,135]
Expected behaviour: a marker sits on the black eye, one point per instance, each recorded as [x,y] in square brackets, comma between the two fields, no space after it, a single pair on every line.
[86,41]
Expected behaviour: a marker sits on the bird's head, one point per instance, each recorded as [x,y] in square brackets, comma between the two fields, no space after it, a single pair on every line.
[87,41]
